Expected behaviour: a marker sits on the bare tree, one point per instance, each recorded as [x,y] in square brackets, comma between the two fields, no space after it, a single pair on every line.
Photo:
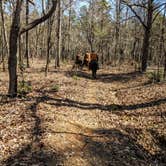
[15,31]
[150,8]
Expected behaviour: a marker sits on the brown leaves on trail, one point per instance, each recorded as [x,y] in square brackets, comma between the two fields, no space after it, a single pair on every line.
[14,129]
[70,119]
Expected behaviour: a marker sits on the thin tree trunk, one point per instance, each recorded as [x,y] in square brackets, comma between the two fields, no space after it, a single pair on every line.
[162,38]
[36,43]
[1,45]
[48,54]
[2,51]
[102,45]
[27,35]
[43,42]
[69,30]
[4,36]
[117,29]
[164,75]
[19,52]
[59,35]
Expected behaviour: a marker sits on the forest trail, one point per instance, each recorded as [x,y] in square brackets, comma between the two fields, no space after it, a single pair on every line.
[70,119]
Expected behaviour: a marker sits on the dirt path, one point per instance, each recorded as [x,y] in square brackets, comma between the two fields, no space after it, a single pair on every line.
[115,120]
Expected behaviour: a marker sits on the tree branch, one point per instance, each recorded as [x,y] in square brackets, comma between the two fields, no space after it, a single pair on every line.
[135,13]
[40,20]
[31,2]
[126,19]
[157,14]
[159,6]
[139,5]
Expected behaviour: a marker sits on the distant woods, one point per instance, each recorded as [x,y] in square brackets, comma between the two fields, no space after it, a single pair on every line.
[119,31]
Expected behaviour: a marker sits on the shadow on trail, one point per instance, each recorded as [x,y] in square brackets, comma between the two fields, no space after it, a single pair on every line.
[35,152]
[105,78]
[80,73]
[60,102]
[113,147]
[118,77]
[112,107]
[28,156]
[116,148]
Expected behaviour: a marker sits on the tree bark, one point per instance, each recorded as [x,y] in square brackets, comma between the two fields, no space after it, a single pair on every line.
[69,29]
[4,36]
[145,50]
[49,30]
[27,35]
[12,62]
[147,33]
[164,75]
[117,29]
[163,39]
[58,36]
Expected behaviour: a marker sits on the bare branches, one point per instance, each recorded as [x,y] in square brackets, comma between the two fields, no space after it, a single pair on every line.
[135,13]
[126,19]
[40,20]
[154,18]
[159,6]
[43,7]
[139,5]
[31,2]
[67,5]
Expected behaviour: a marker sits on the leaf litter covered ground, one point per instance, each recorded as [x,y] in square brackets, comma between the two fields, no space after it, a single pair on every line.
[70,119]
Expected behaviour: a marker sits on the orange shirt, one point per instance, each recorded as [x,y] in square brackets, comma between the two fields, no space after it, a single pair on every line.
[94,56]
[87,57]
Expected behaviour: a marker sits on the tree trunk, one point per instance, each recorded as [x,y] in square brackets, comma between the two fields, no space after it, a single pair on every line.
[58,36]
[145,48]
[36,41]
[4,36]
[49,30]
[27,35]
[69,30]
[164,75]
[12,63]
[162,38]
[117,29]
[19,52]
[90,26]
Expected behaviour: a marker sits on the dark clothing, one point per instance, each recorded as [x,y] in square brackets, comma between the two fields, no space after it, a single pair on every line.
[93,65]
